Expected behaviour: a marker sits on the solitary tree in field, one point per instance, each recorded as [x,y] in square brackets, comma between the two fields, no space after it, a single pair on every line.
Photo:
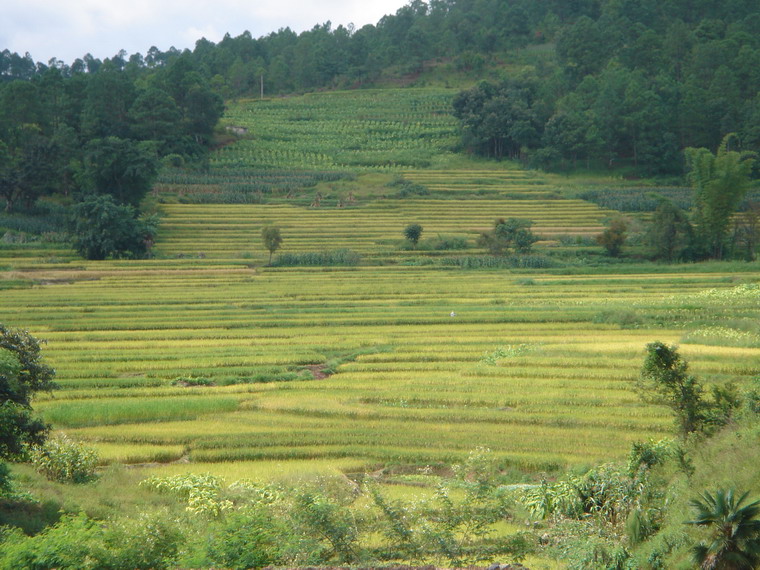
[270,236]
[734,542]
[613,238]
[412,232]
[664,380]
[670,233]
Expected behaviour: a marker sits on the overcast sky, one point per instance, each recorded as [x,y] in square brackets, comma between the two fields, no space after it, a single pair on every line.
[68,29]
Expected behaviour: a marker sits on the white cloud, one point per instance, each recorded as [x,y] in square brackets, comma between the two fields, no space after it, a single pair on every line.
[67,30]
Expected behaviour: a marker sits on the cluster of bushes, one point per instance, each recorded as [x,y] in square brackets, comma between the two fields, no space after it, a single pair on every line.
[500,262]
[77,541]
[406,188]
[244,525]
[625,515]
[438,243]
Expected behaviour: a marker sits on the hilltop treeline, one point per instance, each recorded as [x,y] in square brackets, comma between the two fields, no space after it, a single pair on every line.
[631,86]
[609,82]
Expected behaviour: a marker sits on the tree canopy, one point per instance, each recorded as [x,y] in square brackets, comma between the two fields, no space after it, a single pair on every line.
[508,235]
[272,239]
[104,228]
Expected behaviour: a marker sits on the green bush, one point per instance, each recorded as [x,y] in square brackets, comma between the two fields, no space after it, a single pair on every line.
[625,318]
[79,542]
[250,538]
[192,381]
[203,492]
[752,397]
[64,460]
[320,516]
[104,228]
[5,480]
[442,243]
[407,188]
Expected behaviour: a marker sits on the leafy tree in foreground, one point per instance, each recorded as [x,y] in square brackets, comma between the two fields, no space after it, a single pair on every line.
[734,542]
[664,380]
[720,181]
[19,427]
[22,373]
[32,374]
[103,228]
[271,238]
[412,232]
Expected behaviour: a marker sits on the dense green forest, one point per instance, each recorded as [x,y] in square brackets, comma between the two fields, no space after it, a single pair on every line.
[603,83]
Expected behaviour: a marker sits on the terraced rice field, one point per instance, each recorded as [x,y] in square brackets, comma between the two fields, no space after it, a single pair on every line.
[374,230]
[524,367]
[350,130]
[202,354]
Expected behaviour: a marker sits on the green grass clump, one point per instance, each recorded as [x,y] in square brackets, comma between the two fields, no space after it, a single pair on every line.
[131,410]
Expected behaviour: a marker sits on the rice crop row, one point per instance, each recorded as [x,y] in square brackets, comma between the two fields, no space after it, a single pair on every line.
[336,130]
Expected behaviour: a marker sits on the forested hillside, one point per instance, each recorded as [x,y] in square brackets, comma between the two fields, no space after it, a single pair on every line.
[602,83]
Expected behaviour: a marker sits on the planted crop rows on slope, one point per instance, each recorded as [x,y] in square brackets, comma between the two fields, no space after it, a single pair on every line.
[202,353]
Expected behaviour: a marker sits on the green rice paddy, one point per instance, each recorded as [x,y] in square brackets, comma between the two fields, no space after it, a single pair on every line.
[420,390]
[390,362]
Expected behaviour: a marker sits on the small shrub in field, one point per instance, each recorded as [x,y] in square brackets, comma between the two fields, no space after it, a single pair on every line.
[625,318]
[651,453]
[340,257]
[613,238]
[509,351]
[202,492]
[192,381]
[443,243]
[64,460]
